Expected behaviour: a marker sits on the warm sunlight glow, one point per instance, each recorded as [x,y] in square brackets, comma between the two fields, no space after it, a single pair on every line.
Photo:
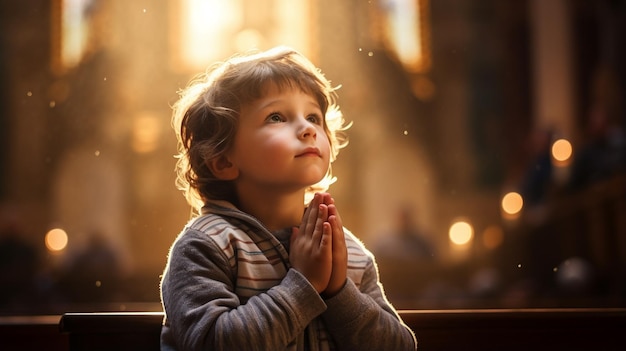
[146,133]
[562,150]
[205,31]
[74,31]
[512,203]
[207,28]
[461,233]
[404,26]
[249,39]
[56,240]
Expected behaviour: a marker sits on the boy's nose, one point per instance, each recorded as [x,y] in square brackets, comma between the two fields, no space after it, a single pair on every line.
[307,130]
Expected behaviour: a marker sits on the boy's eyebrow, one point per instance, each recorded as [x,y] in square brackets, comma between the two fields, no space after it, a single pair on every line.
[267,104]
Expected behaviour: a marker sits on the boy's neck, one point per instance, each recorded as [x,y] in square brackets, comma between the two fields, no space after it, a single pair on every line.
[275,211]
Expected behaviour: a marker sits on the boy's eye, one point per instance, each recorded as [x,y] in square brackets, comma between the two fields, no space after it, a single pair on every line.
[274,117]
[315,119]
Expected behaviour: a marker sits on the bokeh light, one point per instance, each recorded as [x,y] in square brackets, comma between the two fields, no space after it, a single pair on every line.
[574,274]
[562,150]
[146,133]
[493,237]
[512,203]
[461,232]
[56,240]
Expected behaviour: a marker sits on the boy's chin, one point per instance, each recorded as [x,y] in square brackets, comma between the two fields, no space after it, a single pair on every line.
[321,185]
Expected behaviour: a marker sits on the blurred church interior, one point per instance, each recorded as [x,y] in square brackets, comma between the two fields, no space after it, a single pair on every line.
[486,166]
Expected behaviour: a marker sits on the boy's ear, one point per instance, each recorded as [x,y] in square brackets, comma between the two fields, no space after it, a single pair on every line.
[222,168]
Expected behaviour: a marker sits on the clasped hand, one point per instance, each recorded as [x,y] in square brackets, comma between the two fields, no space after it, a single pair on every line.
[318,246]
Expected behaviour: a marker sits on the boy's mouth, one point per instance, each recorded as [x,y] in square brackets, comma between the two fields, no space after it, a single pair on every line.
[310,151]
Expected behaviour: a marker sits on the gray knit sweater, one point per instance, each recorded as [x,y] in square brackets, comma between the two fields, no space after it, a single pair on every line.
[228,285]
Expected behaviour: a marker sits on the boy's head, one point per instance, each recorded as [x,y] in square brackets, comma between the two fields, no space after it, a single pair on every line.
[205,118]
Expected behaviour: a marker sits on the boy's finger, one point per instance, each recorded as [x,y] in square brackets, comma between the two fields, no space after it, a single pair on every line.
[309,219]
[319,222]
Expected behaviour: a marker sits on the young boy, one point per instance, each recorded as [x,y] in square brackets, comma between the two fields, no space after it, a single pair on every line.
[257,269]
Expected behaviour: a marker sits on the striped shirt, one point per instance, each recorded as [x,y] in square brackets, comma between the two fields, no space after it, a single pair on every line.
[229,285]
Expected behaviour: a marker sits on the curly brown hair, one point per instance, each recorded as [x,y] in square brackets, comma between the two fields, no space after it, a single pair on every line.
[205,118]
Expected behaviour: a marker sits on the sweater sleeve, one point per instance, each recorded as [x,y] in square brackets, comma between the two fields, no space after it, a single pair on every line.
[203,312]
[362,318]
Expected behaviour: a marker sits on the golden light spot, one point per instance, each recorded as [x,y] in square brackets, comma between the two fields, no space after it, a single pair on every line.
[56,240]
[512,203]
[461,233]
[562,150]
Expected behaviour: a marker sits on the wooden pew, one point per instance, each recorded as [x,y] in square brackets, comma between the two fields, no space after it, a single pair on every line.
[502,330]
[25,333]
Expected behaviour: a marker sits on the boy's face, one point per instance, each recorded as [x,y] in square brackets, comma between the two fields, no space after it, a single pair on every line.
[280,142]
